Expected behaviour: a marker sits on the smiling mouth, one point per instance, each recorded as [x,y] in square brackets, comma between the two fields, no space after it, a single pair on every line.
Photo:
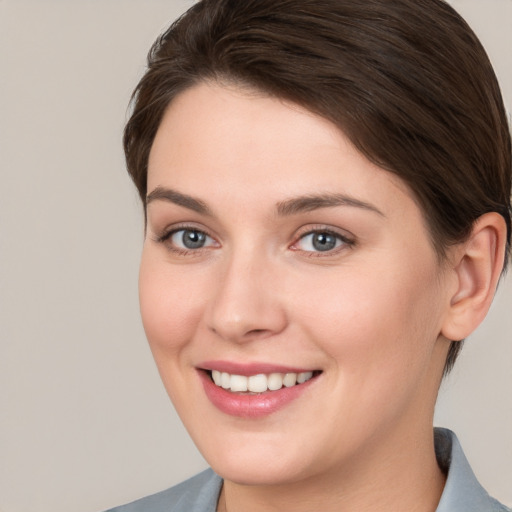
[260,383]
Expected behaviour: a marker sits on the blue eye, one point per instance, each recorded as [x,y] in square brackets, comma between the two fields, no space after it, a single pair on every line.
[320,241]
[190,239]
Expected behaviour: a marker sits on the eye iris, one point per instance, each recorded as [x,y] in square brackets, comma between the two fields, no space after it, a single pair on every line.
[193,239]
[324,241]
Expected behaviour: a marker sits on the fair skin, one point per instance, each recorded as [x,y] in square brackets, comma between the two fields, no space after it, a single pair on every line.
[243,272]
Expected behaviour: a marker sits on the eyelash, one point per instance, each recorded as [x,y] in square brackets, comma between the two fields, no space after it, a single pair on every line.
[345,242]
[166,236]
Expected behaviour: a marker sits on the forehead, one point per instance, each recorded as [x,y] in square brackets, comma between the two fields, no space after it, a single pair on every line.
[218,119]
[237,143]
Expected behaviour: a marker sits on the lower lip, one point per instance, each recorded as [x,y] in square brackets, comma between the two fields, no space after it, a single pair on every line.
[251,406]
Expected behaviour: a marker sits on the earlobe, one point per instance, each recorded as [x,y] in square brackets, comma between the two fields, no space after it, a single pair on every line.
[477,266]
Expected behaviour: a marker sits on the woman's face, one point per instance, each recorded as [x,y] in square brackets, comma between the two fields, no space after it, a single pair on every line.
[275,254]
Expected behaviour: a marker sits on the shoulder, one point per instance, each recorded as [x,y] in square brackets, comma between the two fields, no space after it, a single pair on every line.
[197,494]
[462,492]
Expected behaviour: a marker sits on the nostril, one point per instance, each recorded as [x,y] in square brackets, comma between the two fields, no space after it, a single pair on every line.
[257,333]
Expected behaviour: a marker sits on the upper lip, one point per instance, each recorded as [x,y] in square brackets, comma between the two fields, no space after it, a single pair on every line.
[248,369]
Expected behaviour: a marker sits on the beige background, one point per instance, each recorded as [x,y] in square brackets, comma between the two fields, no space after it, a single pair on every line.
[85,423]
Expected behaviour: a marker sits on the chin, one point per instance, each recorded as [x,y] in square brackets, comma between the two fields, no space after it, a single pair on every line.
[257,474]
[259,462]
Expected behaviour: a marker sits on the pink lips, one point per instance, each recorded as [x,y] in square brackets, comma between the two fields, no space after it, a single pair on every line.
[245,405]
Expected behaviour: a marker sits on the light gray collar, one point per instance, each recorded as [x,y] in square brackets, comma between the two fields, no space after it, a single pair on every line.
[462,491]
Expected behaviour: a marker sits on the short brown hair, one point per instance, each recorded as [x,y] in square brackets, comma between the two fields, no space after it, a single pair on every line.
[406,80]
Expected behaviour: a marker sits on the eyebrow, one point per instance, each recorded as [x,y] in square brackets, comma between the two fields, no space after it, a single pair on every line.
[172,196]
[309,203]
[293,206]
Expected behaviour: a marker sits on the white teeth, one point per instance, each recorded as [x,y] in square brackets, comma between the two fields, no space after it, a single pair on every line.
[290,379]
[238,383]
[216,377]
[258,383]
[275,381]
[225,380]
[303,377]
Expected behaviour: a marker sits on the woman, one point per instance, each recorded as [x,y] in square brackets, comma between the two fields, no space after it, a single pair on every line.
[326,187]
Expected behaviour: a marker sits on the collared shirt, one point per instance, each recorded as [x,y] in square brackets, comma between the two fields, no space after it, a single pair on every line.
[462,492]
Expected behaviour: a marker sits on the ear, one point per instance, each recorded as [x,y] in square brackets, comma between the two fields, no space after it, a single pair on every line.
[477,264]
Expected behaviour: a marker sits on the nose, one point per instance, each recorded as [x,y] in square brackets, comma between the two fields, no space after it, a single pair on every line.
[246,303]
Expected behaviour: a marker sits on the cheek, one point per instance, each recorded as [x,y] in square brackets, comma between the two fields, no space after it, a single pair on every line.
[171,305]
[380,322]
